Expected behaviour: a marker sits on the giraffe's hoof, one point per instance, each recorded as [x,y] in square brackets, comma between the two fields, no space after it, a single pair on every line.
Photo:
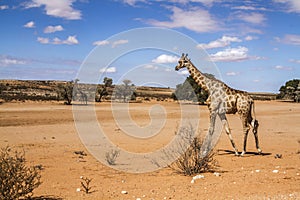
[237,153]
[243,153]
[259,151]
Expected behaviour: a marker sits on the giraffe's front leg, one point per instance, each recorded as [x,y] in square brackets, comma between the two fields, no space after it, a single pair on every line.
[206,146]
[228,132]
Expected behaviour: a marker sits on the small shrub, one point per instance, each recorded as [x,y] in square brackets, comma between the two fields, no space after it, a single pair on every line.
[191,161]
[85,184]
[111,156]
[17,180]
[80,153]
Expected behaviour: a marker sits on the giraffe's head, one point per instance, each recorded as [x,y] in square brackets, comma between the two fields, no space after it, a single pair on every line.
[182,62]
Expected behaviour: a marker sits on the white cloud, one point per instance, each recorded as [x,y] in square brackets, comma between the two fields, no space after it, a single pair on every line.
[195,19]
[231,54]
[8,61]
[168,70]
[280,67]
[151,67]
[295,61]
[57,8]
[101,43]
[106,42]
[232,73]
[292,5]
[71,40]
[52,29]
[165,59]
[183,72]
[108,70]
[246,29]
[290,39]
[248,8]
[29,24]
[222,42]
[204,2]
[133,2]
[4,7]
[249,38]
[57,41]
[43,40]
[119,42]
[253,18]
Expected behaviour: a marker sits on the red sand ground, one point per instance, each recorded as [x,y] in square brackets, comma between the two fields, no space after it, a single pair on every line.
[47,133]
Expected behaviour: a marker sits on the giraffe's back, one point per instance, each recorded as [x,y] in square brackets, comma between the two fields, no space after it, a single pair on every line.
[244,102]
[237,101]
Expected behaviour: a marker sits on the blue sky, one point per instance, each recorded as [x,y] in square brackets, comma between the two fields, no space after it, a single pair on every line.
[254,44]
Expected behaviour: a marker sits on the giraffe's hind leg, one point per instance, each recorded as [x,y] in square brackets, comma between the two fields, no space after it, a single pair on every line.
[254,125]
[228,132]
[246,129]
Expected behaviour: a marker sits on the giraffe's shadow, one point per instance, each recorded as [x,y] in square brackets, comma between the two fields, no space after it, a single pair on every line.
[248,153]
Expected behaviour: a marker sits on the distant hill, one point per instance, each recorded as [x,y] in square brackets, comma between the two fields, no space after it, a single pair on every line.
[28,90]
[264,96]
[22,90]
[36,90]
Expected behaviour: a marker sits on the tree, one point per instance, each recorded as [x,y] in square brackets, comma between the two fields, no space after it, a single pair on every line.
[126,91]
[291,90]
[2,88]
[102,90]
[191,91]
[65,91]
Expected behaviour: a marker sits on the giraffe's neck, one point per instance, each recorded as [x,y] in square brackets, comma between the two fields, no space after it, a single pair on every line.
[203,81]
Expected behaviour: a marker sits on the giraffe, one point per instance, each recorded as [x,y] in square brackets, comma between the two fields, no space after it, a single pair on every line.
[224,100]
[83,97]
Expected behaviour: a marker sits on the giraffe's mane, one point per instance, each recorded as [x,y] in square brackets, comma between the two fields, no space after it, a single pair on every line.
[215,79]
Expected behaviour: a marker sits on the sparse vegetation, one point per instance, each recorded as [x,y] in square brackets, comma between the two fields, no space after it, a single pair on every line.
[290,91]
[85,184]
[191,91]
[19,90]
[17,180]
[191,162]
[102,90]
[27,90]
[80,153]
[112,156]
[65,91]
[126,91]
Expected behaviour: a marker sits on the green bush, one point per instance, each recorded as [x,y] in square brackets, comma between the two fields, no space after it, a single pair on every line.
[191,91]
